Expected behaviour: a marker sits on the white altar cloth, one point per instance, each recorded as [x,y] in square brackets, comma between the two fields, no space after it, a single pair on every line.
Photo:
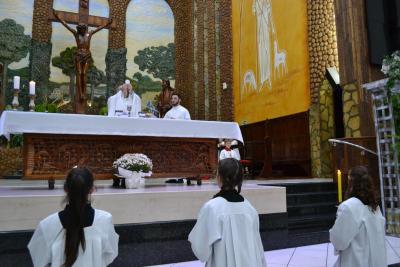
[17,122]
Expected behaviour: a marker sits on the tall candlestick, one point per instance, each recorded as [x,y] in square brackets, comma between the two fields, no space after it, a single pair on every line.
[17,80]
[15,102]
[32,103]
[32,86]
[339,184]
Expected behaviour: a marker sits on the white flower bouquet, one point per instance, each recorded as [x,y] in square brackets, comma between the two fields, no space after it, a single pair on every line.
[134,162]
[391,68]
[134,167]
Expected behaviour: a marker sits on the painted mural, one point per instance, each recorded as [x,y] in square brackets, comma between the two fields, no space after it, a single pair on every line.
[149,32]
[271,71]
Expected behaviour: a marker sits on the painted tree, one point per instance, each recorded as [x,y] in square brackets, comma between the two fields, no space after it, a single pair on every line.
[65,62]
[95,77]
[145,84]
[158,61]
[14,46]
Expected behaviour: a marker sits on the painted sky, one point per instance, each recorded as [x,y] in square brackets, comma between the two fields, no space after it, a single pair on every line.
[149,23]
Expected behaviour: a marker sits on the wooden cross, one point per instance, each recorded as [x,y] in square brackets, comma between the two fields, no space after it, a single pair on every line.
[81,17]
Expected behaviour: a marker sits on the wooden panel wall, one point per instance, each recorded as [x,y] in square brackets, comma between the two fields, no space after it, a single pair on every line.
[353,52]
[283,143]
[352,41]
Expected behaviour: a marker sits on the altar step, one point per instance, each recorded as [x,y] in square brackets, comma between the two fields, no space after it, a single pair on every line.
[311,207]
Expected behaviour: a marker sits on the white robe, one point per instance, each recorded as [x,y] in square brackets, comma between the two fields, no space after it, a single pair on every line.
[358,235]
[227,234]
[48,242]
[228,154]
[178,112]
[118,103]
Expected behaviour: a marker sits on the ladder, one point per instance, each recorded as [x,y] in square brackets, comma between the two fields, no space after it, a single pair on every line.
[387,154]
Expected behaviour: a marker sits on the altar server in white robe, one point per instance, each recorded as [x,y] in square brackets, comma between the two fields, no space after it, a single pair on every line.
[227,229]
[125,103]
[177,111]
[77,236]
[358,234]
[227,152]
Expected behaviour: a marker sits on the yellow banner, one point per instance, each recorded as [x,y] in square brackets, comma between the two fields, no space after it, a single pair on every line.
[270,59]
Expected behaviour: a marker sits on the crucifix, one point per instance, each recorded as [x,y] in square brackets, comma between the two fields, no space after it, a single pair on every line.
[82,36]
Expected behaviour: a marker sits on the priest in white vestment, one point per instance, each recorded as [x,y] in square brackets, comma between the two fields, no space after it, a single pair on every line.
[358,234]
[125,103]
[177,111]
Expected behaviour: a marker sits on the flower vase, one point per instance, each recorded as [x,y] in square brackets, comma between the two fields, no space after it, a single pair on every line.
[132,179]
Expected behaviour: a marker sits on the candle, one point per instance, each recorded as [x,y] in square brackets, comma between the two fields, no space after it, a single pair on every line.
[16,82]
[127,82]
[339,184]
[32,87]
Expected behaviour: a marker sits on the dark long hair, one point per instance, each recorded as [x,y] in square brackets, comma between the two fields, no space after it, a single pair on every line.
[78,186]
[230,172]
[360,185]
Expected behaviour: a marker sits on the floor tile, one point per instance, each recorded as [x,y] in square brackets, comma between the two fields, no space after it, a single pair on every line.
[331,258]
[394,241]
[308,258]
[392,254]
[281,256]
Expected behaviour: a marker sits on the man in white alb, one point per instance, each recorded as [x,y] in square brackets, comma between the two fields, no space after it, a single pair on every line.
[125,103]
[177,111]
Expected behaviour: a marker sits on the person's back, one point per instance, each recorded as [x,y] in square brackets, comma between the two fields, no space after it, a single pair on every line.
[100,233]
[227,230]
[78,235]
[358,234]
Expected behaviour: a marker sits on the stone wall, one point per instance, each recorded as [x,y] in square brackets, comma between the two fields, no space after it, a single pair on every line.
[323,54]
[327,128]
[322,128]
[322,42]
[351,111]
[315,133]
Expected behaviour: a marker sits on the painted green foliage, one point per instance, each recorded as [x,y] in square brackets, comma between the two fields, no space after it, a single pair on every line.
[145,84]
[14,46]
[158,61]
[95,77]
[65,61]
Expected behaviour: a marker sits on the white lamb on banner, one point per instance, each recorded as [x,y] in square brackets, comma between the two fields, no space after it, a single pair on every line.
[249,83]
[280,66]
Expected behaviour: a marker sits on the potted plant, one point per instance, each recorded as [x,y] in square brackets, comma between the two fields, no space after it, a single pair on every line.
[133,167]
[391,69]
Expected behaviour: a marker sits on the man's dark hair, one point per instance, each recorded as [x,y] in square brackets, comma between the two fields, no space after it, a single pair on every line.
[177,94]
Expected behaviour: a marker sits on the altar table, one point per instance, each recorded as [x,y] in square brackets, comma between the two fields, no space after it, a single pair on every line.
[55,142]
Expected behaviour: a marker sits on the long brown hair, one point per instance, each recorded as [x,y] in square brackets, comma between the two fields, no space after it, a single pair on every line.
[78,186]
[230,172]
[360,185]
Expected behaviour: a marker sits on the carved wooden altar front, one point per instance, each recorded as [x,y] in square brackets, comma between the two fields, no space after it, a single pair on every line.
[49,156]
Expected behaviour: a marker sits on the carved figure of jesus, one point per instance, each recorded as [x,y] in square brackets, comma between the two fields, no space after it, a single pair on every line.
[82,57]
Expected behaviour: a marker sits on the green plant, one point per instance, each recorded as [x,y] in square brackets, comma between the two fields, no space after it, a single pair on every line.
[103,111]
[391,68]
[16,140]
[51,108]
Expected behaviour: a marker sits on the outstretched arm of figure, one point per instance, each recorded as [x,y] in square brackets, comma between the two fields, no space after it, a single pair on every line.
[102,27]
[63,22]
